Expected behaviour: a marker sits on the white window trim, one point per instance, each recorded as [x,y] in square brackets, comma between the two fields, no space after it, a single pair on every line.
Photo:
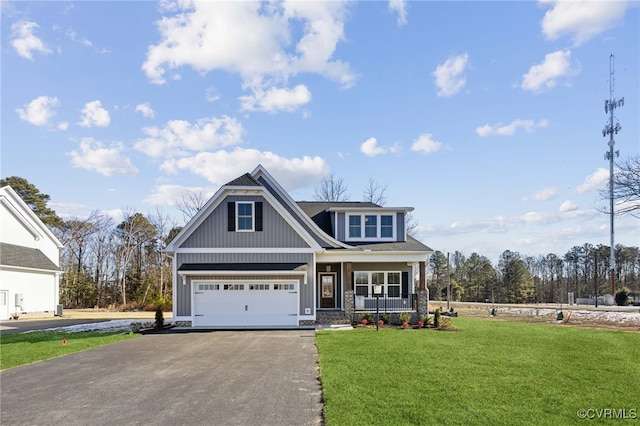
[378,237]
[385,285]
[253,216]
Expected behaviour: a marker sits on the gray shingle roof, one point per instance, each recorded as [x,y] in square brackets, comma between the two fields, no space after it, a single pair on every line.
[244,180]
[25,257]
[410,245]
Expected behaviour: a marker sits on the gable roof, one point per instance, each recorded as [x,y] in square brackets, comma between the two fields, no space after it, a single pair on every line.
[16,206]
[244,180]
[25,257]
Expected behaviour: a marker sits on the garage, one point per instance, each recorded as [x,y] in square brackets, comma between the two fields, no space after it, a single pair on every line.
[258,303]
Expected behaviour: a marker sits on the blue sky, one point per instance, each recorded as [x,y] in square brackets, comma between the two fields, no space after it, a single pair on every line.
[484,116]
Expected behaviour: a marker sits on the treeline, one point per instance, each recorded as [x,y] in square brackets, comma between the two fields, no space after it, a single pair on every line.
[583,270]
[108,264]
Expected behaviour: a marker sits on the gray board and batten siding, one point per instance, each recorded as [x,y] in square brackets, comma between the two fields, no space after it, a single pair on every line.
[214,233]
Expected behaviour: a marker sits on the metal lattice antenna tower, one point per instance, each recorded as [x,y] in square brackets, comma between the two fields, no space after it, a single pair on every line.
[609,107]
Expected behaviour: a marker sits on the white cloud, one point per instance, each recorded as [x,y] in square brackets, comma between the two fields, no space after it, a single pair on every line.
[222,166]
[208,35]
[449,77]
[426,144]
[399,7]
[274,99]
[94,115]
[580,19]
[544,194]
[179,137]
[25,42]
[92,155]
[545,75]
[170,195]
[510,129]
[146,110]
[370,148]
[39,111]
[82,40]
[63,125]
[568,206]
[595,181]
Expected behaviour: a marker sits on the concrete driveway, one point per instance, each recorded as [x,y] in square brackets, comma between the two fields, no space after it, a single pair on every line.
[212,378]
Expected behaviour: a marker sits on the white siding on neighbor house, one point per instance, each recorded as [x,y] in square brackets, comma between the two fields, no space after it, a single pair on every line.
[16,228]
[40,290]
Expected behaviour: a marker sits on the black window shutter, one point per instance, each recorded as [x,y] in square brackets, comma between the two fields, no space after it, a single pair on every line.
[405,284]
[258,216]
[231,216]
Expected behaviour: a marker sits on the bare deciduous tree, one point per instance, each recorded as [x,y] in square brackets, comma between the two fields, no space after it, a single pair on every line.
[331,189]
[190,204]
[626,186]
[375,192]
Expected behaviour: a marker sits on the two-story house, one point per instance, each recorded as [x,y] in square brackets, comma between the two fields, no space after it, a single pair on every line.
[253,257]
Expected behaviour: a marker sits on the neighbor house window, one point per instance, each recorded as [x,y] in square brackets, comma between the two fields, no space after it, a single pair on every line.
[354,227]
[244,216]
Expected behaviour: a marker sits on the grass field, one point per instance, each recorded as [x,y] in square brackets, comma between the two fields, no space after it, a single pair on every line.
[25,348]
[489,372]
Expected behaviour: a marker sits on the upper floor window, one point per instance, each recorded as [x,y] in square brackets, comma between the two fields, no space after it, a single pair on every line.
[370,227]
[244,216]
[354,227]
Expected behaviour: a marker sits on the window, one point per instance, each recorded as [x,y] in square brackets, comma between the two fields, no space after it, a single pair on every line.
[233,286]
[386,226]
[393,284]
[284,286]
[370,226]
[258,286]
[244,216]
[390,282]
[354,227]
[362,283]
[203,287]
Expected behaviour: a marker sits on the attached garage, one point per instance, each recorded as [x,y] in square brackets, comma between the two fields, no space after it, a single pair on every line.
[243,295]
[258,303]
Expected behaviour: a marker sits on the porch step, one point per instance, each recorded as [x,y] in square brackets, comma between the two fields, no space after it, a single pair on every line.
[332,317]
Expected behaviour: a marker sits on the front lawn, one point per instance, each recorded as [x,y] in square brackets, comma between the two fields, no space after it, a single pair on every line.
[25,348]
[489,372]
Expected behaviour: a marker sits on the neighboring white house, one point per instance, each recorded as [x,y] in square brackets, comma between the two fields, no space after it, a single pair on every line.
[29,260]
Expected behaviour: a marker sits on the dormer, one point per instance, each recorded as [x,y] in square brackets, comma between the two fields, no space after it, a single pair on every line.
[359,222]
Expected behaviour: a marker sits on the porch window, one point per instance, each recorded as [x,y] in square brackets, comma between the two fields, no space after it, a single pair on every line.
[393,284]
[362,283]
[354,227]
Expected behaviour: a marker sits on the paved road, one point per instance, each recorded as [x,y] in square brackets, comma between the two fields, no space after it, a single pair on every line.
[216,378]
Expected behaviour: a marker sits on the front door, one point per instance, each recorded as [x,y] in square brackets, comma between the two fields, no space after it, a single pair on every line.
[327,290]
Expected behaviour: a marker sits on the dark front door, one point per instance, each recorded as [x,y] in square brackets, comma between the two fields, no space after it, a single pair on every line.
[327,290]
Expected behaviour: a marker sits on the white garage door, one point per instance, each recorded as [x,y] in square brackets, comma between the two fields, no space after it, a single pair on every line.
[245,304]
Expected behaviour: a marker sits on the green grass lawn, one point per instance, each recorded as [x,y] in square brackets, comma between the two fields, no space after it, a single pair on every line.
[489,372]
[25,348]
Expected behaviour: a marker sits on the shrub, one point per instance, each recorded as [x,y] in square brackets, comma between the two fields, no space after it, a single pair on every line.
[622,296]
[436,318]
[367,316]
[159,319]
[405,317]
[386,318]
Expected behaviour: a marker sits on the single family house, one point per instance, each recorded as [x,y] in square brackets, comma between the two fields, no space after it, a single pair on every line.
[29,260]
[253,257]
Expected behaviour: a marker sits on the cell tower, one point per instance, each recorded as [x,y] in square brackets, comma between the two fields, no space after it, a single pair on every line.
[611,129]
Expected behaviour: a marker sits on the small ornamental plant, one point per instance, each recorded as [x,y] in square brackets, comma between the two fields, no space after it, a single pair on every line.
[380,323]
[404,319]
[364,321]
[420,323]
